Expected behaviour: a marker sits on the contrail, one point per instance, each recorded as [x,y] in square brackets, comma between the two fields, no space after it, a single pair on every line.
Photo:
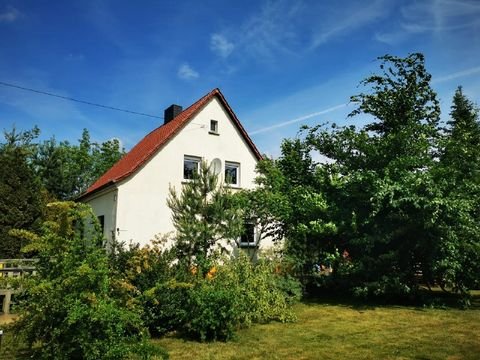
[288,122]
[457,75]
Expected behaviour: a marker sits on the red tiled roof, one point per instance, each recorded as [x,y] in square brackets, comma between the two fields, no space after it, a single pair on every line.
[151,143]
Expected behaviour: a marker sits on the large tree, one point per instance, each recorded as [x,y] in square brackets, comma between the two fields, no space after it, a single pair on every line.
[385,197]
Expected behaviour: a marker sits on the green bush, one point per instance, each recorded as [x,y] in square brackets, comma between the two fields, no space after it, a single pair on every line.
[207,306]
[235,294]
[70,311]
[213,309]
[165,306]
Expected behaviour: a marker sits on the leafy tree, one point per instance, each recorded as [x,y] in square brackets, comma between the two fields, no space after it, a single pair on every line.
[385,196]
[289,204]
[206,219]
[21,196]
[68,170]
[69,311]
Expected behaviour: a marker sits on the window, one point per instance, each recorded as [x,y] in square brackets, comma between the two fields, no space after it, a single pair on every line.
[232,173]
[101,221]
[190,167]
[248,237]
[213,127]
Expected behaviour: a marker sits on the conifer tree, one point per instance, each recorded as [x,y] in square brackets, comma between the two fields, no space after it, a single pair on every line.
[21,197]
[205,217]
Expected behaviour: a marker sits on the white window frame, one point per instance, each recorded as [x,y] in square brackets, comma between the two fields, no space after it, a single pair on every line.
[236,165]
[190,158]
[215,130]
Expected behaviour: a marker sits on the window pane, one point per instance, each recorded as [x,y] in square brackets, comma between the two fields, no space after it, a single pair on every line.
[213,125]
[248,236]
[101,220]
[190,167]
[231,174]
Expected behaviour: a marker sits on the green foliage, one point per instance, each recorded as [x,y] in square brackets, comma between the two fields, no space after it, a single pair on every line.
[386,198]
[33,174]
[21,197]
[67,170]
[234,293]
[206,219]
[290,204]
[165,306]
[68,310]
[240,293]
[397,203]
[457,258]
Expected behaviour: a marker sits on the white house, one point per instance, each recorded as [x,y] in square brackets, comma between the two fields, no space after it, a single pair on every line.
[130,199]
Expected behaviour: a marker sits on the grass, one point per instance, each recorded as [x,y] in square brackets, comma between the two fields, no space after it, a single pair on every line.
[335,329]
[326,330]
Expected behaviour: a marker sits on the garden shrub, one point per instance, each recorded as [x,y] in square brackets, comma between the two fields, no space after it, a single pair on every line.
[165,306]
[213,309]
[239,294]
[235,293]
[69,310]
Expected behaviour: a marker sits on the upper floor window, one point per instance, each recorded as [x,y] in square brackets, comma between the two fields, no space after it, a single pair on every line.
[213,127]
[232,173]
[190,167]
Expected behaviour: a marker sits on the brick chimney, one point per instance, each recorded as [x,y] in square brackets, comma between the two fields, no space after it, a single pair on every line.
[171,112]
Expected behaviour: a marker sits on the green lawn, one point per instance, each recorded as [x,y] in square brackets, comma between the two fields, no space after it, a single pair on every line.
[332,331]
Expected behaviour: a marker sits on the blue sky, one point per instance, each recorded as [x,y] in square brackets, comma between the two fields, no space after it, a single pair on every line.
[280,64]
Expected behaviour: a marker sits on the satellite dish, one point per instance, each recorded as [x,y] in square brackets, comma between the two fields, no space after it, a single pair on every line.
[216,166]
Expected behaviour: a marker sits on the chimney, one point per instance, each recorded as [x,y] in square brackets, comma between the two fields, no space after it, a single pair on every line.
[171,112]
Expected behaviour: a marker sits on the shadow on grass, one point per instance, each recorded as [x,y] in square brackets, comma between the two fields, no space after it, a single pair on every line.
[425,298]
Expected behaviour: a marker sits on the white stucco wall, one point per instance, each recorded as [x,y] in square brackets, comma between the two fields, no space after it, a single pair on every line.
[104,203]
[142,210]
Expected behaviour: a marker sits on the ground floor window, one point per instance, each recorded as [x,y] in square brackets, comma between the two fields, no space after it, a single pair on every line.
[101,221]
[248,238]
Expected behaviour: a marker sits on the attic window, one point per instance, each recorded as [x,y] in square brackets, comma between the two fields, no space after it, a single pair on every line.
[213,127]
[190,167]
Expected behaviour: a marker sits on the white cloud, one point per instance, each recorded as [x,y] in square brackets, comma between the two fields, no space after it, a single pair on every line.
[456,75]
[433,17]
[186,72]
[391,38]
[274,29]
[10,15]
[348,20]
[285,28]
[220,45]
[298,119]
[440,15]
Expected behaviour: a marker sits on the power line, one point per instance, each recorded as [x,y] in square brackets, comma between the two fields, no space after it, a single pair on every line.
[79,101]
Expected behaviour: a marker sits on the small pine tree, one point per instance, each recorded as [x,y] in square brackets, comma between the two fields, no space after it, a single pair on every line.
[206,218]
